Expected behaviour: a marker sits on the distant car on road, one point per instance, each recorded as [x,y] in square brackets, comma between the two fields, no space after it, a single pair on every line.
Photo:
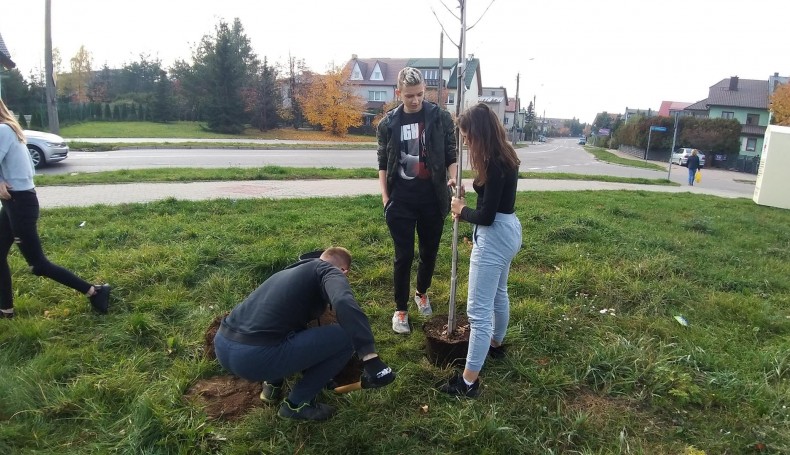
[541,138]
[681,157]
[582,141]
[45,148]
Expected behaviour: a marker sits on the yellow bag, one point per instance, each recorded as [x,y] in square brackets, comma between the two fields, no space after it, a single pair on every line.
[698,176]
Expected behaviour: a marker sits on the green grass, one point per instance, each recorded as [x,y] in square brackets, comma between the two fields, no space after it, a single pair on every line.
[164,144]
[278,173]
[195,130]
[577,379]
[609,157]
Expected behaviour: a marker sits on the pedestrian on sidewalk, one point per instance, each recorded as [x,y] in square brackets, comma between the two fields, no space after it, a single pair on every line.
[693,165]
[496,240]
[19,217]
[417,154]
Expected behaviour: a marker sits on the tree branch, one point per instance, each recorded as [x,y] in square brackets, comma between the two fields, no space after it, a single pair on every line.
[443,30]
[481,16]
[450,11]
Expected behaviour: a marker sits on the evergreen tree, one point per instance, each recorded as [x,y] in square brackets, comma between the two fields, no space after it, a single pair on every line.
[224,69]
[116,112]
[107,112]
[266,100]
[162,107]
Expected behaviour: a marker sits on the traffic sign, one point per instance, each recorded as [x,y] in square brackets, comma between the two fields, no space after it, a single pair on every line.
[658,128]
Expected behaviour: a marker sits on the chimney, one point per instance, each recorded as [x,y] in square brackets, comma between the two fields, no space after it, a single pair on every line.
[734,83]
[353,56]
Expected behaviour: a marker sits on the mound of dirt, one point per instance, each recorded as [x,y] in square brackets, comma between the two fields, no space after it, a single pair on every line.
[225,397]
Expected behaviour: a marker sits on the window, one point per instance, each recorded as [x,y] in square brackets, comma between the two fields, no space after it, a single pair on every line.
[751,144]
[450,98]
[493,92]
[430,74]
[356,74]
[375,95]
[507,120]
[728,115]
[752,119]
[376,76]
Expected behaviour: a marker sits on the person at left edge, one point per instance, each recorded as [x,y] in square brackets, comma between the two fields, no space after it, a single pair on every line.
[19,221]
[265,338]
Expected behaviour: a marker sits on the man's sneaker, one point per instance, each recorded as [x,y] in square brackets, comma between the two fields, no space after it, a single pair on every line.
[497,352]
[423,304]
[7,314]
[305,411]
[400,322]
[456,386]
[100,301]
[271,393]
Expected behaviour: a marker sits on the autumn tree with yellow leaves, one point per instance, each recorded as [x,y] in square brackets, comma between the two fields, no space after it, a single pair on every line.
[780,105]
[330,101]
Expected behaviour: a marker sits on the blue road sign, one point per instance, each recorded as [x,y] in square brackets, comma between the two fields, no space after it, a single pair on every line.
[658,128]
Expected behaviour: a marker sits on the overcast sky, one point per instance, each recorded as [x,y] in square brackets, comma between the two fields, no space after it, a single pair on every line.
[576,57]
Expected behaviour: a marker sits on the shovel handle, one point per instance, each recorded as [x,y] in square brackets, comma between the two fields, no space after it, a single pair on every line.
[349,387]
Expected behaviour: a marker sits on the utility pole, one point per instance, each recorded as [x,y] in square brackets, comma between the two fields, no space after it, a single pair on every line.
[52,99]
[515,117]
[441,100]
[672,150]
[534,116]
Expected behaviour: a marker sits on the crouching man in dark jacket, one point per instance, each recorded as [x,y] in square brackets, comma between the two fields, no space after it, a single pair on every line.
[265,338]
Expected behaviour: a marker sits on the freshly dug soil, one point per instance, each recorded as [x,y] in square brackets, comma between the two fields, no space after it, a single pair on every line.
[225,397]
[443,348]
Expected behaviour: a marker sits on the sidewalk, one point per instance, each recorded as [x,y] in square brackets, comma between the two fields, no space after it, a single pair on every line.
[87,195]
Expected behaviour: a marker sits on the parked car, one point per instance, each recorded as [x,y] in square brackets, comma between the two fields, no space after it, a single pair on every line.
[541,138]
[582,141]
[681,157]
[45,148]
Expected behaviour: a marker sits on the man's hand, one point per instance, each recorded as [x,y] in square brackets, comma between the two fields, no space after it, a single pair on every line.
[376,374]
[4,187]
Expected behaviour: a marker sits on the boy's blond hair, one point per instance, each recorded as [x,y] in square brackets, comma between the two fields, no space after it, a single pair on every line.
[409,77]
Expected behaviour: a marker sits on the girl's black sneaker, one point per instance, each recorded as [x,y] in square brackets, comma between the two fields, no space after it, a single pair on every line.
[456,386]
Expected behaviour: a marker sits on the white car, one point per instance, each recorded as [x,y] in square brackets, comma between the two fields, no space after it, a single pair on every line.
[45,148]
[681,157]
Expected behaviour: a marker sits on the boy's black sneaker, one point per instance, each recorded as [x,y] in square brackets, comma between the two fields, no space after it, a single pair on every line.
[271,393]
[456,386]
[7,315]
[305,411]
[497,352]
[100,301]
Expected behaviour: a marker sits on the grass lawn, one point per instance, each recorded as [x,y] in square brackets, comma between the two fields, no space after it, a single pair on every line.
[193,130]
[609,157]
[278,173]
[597,361]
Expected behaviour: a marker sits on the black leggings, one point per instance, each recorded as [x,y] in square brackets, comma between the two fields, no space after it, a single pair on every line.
[18,220]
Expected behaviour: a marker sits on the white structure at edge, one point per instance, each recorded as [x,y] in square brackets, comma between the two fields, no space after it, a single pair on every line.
[773,187]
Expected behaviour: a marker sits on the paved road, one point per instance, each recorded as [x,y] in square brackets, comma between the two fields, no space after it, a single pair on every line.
[557,155]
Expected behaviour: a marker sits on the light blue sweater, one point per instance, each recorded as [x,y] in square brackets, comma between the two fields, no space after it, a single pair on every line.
[16,166]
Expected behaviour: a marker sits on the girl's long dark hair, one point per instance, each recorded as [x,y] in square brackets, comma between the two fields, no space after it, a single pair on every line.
[487,140]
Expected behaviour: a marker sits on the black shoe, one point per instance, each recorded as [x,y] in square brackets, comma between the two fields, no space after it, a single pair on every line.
[496,352]
[306,411]
[456,386]
[101,299]
[4,315]
[271,393]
